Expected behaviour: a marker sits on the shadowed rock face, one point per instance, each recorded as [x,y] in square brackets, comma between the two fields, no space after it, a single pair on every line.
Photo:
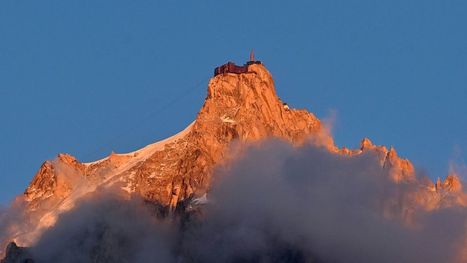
[238,108]
[15,254]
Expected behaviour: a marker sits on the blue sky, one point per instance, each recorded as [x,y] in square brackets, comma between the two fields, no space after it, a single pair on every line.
[89,77]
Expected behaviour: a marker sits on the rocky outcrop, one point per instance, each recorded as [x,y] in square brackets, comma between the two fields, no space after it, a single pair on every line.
[399,169]
[238,108]
[15,254]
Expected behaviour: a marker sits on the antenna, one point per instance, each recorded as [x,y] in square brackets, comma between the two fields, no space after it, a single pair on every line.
[252,55]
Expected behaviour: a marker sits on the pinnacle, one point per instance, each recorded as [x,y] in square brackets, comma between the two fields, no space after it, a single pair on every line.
[366,144]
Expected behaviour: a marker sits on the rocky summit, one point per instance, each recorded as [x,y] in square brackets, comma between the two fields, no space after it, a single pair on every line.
[240,107]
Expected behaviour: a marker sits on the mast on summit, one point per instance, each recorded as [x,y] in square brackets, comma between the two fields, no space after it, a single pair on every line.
[252,55]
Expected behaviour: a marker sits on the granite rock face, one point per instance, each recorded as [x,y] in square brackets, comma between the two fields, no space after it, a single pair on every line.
[238,109]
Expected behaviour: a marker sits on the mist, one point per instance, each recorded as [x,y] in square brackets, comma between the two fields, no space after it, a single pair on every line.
[106,228]
[274,203]
[317,205]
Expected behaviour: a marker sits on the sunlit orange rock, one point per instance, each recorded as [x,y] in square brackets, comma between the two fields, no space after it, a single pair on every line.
[238,107]
[242,107]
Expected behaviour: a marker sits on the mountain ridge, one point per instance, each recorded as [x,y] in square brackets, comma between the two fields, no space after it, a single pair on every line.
[239,107]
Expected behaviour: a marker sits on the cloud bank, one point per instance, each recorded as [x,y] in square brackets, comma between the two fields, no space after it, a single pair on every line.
[275,203]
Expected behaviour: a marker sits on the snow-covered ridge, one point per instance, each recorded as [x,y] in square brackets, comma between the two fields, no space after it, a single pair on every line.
[49,218]
[150,149]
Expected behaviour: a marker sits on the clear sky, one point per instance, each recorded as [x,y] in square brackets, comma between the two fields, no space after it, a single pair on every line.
[89,77]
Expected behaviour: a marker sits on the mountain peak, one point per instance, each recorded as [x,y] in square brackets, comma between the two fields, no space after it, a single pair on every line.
[452,183]
[247,102]
[366,144]
[233,89]
[241,105]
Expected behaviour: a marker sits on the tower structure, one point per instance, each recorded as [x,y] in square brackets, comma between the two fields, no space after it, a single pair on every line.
[252,55]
